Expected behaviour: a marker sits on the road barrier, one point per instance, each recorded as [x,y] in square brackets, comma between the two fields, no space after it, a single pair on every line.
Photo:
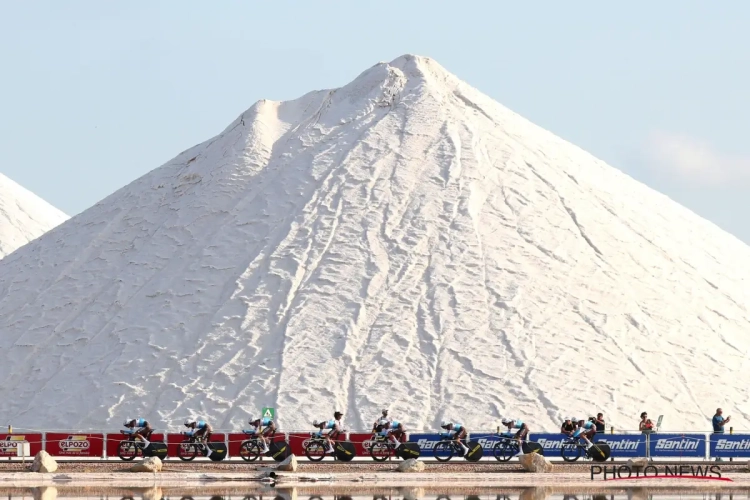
[73,444]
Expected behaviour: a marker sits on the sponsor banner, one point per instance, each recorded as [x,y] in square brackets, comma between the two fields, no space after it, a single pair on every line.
[362,442]
[114,440]
[622,445]
[297,442]
[678,445]
[427,442]
[71,444]
[487,440]
[730,445]
[174,441]
[9,442]
[235,441]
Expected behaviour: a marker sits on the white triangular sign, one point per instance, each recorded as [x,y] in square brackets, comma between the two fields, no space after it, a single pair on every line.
[267,414]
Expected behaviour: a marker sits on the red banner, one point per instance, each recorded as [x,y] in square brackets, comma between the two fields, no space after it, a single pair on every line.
[297,441]
[64,444]
[9,442]
[361,443]
[114,440]
[236,440]
[174,440]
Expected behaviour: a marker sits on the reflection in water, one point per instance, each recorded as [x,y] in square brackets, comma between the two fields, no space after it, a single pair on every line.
[321,493]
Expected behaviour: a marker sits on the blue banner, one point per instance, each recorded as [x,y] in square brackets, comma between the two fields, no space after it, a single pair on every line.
[487,441]
[730,445]
[624,445]
[426,443]
[678,445]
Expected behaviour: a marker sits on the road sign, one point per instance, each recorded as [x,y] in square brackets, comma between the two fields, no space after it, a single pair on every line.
[269,413]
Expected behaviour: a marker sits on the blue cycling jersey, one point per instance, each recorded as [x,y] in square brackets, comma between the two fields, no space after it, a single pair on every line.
[457,427]
[140,422]
[200,424]
[395,424]
[517,424]
[589,425]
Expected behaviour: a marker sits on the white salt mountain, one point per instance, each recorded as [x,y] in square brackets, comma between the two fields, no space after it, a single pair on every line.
[402,242]
[23,216]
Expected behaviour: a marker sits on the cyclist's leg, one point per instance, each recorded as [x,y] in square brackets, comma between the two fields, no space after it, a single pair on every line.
[459,435]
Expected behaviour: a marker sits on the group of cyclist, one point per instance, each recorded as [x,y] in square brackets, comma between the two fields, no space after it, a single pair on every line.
[579,429]
[384,428]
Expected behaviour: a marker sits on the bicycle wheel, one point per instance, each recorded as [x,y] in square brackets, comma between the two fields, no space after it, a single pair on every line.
[315,451]
[127,451]
[570,452]
[444,451]
[505,450]
[380,451]
[250,451]
[187,451]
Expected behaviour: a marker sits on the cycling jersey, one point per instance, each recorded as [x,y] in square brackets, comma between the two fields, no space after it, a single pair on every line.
[589,425]
[200,424]
[394,424]
[140,422]
[517,424]
[264,422]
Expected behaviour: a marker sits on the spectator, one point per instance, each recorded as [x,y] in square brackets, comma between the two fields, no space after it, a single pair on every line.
[646,426]
[719,422]
[599,422]
[568,427]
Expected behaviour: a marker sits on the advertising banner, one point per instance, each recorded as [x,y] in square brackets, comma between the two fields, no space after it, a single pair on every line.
[362,442]
[730,445]
[9,442]
[174,441]
[624,445]
[64,444]
[114,440]
[235,441]
[297,442]
[487,440]
[678,445]
[426,443]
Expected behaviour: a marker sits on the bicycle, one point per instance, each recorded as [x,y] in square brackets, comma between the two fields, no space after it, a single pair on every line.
[446,448]
[190,448]
[130,448]
[252,449]
[573,448]
[315,449]
[382,448]
[506,448]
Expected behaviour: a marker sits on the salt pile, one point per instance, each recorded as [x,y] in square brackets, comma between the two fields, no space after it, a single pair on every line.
[404,242]
[23,216]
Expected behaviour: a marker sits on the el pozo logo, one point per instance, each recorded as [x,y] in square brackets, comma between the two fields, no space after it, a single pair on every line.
[10,444]
[75,444]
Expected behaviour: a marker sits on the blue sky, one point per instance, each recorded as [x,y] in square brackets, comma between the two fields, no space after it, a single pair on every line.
[95,94]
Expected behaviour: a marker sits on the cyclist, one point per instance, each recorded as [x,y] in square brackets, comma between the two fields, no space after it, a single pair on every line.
[334,426]
[200,429]
[586,431]
[391,430]
[269,429]
[143,431]
[568,427]
[383,416]
[456,432]
[520,435]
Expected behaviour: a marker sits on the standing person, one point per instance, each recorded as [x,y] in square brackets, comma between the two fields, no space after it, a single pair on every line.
[719,421]
[646,426]
[599,422]
[568,427]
